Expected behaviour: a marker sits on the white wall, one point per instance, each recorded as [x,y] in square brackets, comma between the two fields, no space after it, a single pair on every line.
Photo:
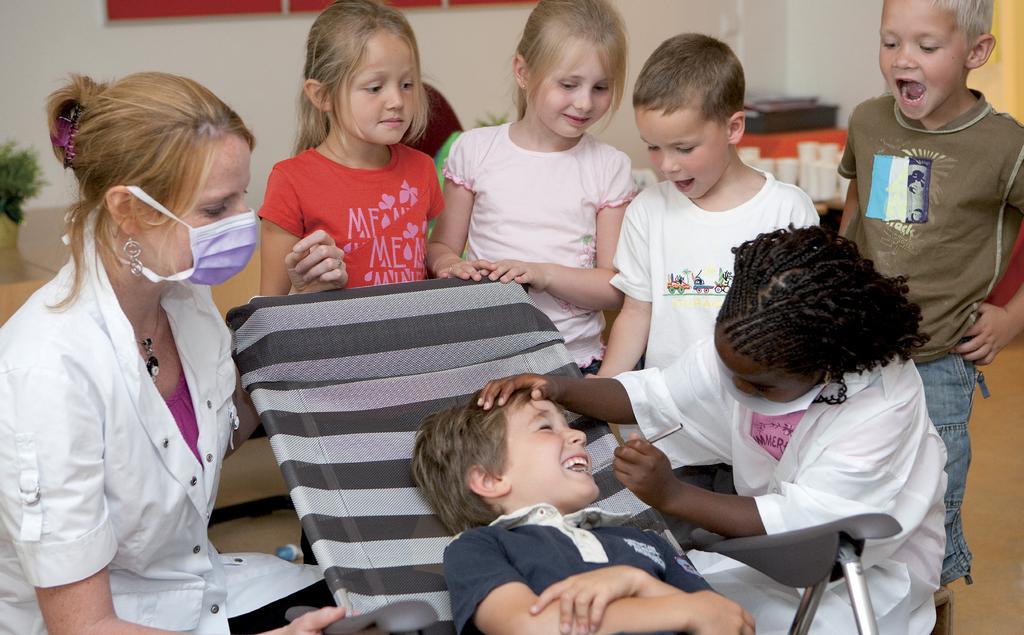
[825,47]
[832,51]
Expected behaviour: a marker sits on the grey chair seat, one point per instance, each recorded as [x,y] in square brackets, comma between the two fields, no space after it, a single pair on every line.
[410,616]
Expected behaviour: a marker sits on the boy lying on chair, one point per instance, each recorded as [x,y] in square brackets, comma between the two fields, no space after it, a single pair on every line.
[532,558]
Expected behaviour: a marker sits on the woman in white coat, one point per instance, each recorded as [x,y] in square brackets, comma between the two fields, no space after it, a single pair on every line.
[119,395]
[808,391]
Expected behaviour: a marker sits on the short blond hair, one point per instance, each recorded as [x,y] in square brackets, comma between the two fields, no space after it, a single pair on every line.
[552,27]
[154,130]
[448,445]
[973,17]
[335,48]
[691,70]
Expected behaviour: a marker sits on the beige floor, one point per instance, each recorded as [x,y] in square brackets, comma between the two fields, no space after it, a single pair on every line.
[994,508]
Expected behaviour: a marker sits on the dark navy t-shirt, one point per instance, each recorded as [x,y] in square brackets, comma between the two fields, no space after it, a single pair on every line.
[484,558]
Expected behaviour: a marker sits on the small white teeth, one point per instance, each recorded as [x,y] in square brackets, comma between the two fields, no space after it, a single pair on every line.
[574,463]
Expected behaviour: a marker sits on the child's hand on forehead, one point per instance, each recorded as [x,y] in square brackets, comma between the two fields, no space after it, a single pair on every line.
[498,391]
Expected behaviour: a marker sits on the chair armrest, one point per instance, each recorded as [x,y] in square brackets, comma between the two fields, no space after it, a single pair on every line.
[802,557]
[400,617]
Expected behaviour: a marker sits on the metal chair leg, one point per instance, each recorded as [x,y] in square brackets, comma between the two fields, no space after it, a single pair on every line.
[808,607]
[857,586]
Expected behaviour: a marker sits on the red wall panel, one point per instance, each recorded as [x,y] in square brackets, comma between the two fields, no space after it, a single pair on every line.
[317,5]
[148,9]
[143,9]
[459,2]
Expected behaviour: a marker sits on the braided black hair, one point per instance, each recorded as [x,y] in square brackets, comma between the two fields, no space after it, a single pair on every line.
[805,301]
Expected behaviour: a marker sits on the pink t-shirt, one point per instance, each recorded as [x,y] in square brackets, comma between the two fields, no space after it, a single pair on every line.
[542,207]
[184,413]
[773,433]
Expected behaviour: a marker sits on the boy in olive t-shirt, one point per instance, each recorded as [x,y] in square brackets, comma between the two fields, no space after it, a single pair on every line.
[936,195]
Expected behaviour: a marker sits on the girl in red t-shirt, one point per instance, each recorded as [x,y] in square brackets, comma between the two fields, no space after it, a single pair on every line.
[351,177]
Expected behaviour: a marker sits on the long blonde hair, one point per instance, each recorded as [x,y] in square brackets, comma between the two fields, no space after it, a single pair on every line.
[551,28]
[154,130]
[335,49]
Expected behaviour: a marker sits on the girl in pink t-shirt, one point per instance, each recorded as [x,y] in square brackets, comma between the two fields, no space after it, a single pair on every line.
[352,181]
[539,201]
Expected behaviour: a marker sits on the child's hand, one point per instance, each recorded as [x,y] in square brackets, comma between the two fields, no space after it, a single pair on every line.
[989,334]
[312,623]
[583,598]
[316,264]
[497,392]
[475,270]
[713,614]
[532,273]
[645,470]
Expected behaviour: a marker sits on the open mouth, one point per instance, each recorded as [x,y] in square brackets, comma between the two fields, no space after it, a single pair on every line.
[577,464]
[684,185]
[910,91]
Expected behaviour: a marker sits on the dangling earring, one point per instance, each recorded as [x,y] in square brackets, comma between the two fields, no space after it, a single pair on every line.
[133,250]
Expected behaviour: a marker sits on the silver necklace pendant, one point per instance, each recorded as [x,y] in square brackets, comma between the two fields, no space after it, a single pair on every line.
[152,363]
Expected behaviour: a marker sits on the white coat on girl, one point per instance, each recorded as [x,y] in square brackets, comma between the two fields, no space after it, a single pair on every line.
[876,452]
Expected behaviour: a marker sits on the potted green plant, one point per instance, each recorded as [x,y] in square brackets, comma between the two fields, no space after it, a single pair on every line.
[20,179]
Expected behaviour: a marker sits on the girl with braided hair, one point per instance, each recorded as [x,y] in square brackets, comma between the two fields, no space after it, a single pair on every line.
[808,390]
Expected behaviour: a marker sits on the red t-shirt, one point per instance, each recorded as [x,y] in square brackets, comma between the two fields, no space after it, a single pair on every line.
[378,217]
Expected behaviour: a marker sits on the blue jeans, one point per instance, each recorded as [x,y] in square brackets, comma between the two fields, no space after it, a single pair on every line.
[949,392]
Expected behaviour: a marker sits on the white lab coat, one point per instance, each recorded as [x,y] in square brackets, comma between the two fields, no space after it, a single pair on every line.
[94,472]
[876,452]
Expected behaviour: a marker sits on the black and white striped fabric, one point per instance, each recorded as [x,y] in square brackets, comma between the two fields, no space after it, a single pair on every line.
[342,380]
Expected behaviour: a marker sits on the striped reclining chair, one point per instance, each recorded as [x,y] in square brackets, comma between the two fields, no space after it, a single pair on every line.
[342,380]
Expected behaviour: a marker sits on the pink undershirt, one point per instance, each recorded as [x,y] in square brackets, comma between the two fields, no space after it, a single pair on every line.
[184,413]
[773,433]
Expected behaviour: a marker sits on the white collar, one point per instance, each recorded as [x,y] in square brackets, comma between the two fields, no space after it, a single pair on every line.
[889,374]
[546,514]
[574,526]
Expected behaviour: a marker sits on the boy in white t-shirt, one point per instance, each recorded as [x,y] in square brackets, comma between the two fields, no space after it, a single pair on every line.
[674,258]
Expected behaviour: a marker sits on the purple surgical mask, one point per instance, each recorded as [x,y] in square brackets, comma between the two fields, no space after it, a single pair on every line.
[219,250]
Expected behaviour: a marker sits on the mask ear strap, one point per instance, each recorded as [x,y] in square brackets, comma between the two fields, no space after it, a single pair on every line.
[140,194]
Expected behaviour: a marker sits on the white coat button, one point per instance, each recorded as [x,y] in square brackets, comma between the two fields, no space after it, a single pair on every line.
[193,481]
[196,549]
[209,458]
[30,497]
[165,443]
[215,609]
[209,405]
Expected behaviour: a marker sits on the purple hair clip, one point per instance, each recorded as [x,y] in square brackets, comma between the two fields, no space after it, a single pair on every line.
[64,138]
